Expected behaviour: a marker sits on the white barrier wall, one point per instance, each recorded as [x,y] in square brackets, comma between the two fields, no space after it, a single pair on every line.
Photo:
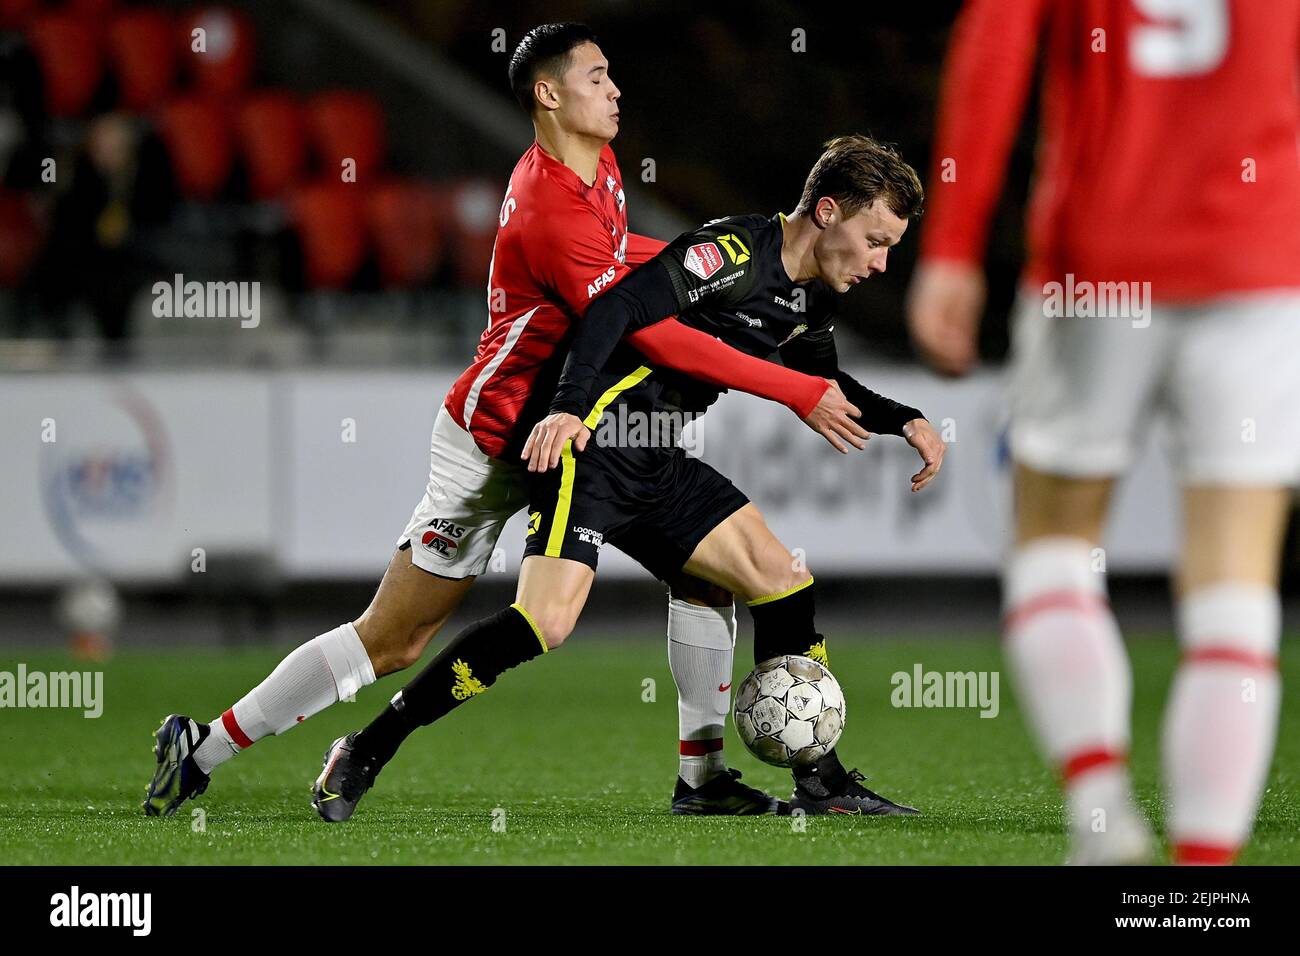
[126,474]
[322,469]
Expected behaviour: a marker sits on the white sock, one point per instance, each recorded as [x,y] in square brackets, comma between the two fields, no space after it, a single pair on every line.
[326,669]
[1221,719]
[1072,674]
[701,644]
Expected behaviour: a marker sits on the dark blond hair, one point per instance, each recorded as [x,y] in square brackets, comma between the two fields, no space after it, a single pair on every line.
[857,170]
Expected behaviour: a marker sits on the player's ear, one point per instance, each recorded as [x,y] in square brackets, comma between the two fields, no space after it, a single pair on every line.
[827,212]
[544,92]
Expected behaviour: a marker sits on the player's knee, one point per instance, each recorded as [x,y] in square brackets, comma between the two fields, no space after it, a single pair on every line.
[408,653]
[778,571]
[554,623]
[394,648]
[791,577]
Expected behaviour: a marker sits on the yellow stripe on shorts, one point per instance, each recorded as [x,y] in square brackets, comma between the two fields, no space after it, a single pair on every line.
[611,393]
[560,520]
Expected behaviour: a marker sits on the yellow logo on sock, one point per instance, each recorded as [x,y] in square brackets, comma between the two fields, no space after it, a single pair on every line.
[467,685]
[818,653]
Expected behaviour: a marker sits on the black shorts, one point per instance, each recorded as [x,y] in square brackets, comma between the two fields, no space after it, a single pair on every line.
[654,504]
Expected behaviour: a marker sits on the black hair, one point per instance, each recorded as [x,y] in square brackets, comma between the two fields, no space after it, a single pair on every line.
[544,49]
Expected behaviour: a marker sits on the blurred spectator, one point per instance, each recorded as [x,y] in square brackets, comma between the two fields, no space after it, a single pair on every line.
[95,255]
[22,113]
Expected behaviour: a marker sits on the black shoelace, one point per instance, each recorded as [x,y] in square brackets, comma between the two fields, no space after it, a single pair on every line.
[856,778]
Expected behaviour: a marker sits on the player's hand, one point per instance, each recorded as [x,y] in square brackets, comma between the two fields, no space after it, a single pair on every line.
[944,304]
[544,445]
[920,434]
[832,418]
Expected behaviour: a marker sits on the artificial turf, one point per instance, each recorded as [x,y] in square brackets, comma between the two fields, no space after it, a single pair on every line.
[564,761]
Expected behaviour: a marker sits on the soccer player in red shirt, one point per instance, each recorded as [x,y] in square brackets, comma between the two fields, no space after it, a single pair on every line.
[562,241]
[1163,276]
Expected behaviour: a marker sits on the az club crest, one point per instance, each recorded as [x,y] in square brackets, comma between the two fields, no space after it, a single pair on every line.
[442,537]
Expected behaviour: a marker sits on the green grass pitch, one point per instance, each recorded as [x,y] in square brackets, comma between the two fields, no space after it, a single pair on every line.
[577,766]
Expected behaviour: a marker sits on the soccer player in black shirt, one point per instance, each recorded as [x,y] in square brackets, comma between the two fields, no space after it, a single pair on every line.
[764,286]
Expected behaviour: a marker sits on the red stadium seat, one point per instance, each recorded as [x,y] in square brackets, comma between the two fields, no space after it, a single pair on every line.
[330,223]
[346,124]
[272,131]
[472,207]
[14,14]
[96,9]
[21,238]
[196,132]
[406,228]
[142,57]
[67,47]
[226,68]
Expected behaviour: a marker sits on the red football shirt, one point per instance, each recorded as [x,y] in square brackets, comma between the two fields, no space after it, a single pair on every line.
[559,244]
[1168,147]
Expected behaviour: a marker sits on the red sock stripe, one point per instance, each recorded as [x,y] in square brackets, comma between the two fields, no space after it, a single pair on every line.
[1086,760]
[1085,602]
[236,732]
[1224,654]
[699,748]
[1203,854]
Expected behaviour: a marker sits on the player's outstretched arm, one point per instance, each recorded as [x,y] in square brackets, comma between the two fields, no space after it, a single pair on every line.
[637,307]
[663,287]
[816,354]
[818,402]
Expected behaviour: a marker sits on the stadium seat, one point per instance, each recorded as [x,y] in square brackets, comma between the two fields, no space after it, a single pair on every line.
[272,134]
[21,238]
[100,10]
[346,124]
[14,14]
[196,134]
[226,68]
[406,221]
[67,47]
[142,57]
[329,221]
[471,207]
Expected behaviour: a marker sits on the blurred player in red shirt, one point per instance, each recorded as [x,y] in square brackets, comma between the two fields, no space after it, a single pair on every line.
[562,241]
[1163,277]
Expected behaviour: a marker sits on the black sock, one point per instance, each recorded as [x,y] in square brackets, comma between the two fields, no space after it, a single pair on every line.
[784,625]
[469,664]
[828,770]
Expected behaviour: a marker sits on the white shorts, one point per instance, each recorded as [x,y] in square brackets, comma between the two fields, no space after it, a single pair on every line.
[1226,374]
[455,528]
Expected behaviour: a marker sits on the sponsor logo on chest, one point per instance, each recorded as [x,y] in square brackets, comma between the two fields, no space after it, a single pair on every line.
[703,259]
